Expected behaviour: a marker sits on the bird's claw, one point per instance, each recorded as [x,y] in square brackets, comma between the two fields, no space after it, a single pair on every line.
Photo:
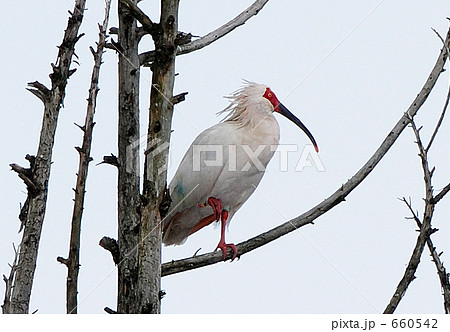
[224,246]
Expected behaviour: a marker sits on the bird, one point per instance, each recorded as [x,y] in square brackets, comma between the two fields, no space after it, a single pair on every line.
[224,165]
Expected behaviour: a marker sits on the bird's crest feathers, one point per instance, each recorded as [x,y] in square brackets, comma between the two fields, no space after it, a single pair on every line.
[245,102]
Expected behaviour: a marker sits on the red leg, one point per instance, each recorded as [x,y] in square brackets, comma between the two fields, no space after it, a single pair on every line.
[222,215]
[222,245]
[216,205]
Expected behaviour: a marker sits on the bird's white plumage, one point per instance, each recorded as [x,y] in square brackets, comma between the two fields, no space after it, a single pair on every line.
[249,130]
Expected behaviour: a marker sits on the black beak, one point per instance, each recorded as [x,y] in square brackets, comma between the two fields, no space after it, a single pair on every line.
[284,111]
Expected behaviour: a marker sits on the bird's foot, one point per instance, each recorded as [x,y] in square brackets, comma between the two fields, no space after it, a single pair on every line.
[224,246]
[216,205]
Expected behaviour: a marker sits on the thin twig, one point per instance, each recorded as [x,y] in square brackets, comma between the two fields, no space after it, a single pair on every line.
[441,118]
[337,197]
[441,194]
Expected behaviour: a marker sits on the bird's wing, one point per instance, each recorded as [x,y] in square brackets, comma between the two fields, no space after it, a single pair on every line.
[195,177]
[200,168]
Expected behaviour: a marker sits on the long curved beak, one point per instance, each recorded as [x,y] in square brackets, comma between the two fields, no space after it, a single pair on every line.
[284,111]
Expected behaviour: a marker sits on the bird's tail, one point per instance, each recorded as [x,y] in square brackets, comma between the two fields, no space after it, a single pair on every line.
[176,230]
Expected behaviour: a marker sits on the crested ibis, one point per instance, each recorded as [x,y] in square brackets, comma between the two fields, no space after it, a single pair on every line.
[224,164]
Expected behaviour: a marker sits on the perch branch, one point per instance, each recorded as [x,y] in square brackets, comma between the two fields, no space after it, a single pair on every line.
[337,197]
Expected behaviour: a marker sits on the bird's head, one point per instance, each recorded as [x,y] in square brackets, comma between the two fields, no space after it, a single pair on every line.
[278,107]
[256,98]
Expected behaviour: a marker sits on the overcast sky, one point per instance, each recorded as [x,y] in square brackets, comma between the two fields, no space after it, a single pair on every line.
[347,69]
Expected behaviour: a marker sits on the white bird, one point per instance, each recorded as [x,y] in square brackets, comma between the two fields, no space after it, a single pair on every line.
[224,165]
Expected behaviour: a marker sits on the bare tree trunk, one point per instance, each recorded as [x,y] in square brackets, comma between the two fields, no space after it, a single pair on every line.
[37,177]
[155,172]
[73,260]
[128,162]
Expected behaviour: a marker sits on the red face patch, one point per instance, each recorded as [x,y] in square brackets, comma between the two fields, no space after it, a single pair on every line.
[270,96]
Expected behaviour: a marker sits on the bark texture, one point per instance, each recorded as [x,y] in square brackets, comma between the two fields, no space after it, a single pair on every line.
[128,162]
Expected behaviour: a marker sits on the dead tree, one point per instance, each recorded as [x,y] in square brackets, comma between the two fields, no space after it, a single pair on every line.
[36,177]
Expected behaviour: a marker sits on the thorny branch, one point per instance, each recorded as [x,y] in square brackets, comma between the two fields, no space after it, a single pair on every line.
[337,197]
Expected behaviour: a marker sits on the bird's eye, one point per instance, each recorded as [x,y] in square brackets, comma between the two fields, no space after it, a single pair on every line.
[269,95]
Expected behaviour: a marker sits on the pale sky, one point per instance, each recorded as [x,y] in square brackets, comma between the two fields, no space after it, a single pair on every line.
[347,69]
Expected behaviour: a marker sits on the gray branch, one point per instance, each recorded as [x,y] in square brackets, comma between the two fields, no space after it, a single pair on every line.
[223,30]
[337,197]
